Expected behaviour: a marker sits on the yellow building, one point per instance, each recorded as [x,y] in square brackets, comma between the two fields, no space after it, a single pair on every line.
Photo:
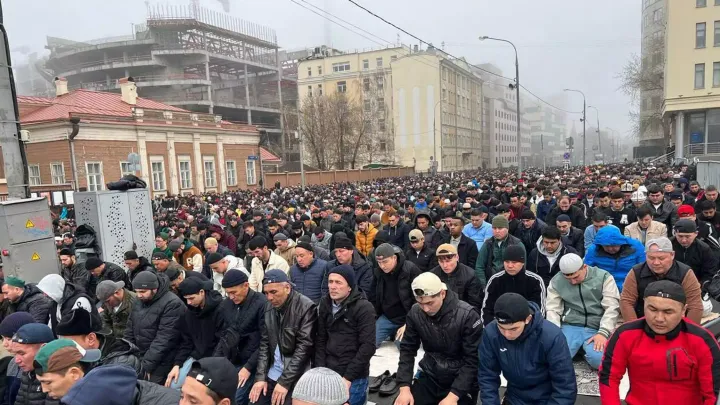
[692,75]
[426,105]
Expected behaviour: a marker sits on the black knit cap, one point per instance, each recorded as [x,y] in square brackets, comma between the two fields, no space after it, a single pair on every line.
[234,277]
[305,245]
[213,258]
[514,253]
[343,243]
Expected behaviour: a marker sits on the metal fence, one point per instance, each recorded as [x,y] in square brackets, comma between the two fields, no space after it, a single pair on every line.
[708,172]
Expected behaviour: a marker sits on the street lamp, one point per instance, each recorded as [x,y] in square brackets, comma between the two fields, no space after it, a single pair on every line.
[517,96]
[597,114]
[583,119]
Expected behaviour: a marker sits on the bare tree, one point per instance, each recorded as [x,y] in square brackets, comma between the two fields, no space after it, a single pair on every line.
[316,129]
[646,75]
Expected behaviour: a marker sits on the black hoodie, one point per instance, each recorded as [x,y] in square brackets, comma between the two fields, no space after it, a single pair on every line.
[201,329]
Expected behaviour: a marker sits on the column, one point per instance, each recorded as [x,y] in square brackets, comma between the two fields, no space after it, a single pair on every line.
[207,77]
[199,167]
[247,96]
[172,165]
[142,151]
[221,165]
[679,134]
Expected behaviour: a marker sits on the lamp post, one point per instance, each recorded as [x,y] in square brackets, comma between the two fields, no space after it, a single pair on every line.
[583,120]
[597,114]
[517,96]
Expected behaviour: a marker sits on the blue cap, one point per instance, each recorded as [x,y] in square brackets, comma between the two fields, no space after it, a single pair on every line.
[33,333]
[275,276]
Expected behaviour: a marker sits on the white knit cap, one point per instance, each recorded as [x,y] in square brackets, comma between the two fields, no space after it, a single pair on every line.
[321,386]
[570,263]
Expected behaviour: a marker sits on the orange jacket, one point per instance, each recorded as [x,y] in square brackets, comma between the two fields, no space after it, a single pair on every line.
[364,240]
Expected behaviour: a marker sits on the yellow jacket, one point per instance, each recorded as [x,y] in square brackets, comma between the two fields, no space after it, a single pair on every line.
[364,240]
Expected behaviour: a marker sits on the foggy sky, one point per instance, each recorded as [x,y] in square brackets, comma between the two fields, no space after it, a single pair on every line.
[561,43]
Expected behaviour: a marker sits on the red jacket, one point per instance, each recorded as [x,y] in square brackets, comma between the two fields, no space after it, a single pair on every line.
[682,367]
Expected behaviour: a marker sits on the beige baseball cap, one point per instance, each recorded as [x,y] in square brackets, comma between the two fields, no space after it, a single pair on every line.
[427,285]
[446,249]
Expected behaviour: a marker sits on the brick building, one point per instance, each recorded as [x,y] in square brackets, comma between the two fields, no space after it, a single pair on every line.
[180,152]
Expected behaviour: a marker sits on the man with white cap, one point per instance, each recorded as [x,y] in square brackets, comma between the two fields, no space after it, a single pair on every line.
[584,302]
[449,330]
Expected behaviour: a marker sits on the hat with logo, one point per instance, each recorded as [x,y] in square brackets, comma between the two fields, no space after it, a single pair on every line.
[427,285]
[666,289]
[416,235]
[217,374]
[511,308]
[446,249]
[61,354]
[160,255]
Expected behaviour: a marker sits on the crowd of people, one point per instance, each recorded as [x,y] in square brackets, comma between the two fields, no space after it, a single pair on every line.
[283,295]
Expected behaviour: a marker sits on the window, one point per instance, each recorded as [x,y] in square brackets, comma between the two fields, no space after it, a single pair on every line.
[126,168]
[209,166]
[341,67]
[394,57]
[94,176]
[381,125]
[319,70]
[700,76]
[231,173]
[716,74]
[367,106]
[319,89]
[157,168]
[382,146]
[381,103]
[700,35]
[57,172]
[309,72]
[366,84]
[700,3]
[185,172]
[366,64]
[250,172]
[379,62]
[310,91]
[380,83]
[341,87]
[717,2]
[658,15]
[34,173]
[716,36]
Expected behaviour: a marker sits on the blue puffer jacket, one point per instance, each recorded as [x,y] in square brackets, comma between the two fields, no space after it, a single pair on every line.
[632,252]
[308,281]
[537,365]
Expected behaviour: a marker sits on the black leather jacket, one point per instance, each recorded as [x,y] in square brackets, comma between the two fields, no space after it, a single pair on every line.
[291,326]
[120,351]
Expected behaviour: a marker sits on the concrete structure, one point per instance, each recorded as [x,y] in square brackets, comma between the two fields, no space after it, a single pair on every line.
[548,131]
[192,58]
[692,76]
[180,152]
[652,55]
[423,105]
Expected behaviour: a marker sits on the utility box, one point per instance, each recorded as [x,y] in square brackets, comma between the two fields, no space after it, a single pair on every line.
[120,219]
[27,239]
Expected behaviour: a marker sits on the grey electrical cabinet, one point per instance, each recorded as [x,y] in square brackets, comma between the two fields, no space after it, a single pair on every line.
[120,219]
[27,240]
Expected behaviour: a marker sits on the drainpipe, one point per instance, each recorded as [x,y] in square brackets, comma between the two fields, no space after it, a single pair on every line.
[71,138]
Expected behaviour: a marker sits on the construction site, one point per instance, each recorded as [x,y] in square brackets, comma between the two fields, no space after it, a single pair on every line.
[193,58]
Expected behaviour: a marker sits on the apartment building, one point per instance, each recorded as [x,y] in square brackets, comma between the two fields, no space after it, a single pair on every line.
[548,130]
[692,76]
[652,52]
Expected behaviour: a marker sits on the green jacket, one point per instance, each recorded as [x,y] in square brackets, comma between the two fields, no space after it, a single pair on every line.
[594,303]
[117,320]
[490,257]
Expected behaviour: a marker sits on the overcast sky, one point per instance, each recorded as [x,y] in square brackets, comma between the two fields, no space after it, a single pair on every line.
[562,43]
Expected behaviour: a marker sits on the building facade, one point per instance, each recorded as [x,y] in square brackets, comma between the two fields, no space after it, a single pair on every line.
[652,53]
[548,131]
[179,152]
[692,76]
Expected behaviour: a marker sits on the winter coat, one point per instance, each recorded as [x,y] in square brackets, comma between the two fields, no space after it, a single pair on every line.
[622,218]
[364,240]
[479,235]
[324,243]
[467,250]
[544,208]
[346,339]
[78,275]
[490,257]
[35,302]
[117,385]
[576,239]
[463,282]
[308,281]
[31,393]
[257,272]
[682,367]
[666,213]
[143,266]
[433,238]
[117,320]
[655,230]
[240,341]
[153,327]
[226,238]
[112,272]
[399,235]
[363,274]
[530,237]
[288,253]
[120,351]
[450,339]
[538,262]
[191,258]
[525,283]
[537,365]
[405,271]
[201,329]
[700,257]
[425,259]
[576,216]
[631,253]
[290,328]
